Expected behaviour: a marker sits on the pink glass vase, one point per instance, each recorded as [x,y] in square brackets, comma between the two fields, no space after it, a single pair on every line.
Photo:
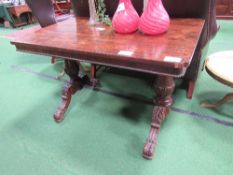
[155,19]
[125,19]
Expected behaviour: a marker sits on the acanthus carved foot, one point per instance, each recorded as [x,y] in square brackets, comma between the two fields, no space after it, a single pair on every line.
[159,114]
[75,83]
[150,144]
[69,89]
[164,87]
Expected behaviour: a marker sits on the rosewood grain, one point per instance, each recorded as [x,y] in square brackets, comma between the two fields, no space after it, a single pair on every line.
[100,44]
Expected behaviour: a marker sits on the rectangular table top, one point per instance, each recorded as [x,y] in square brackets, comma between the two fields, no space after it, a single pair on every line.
[169,53]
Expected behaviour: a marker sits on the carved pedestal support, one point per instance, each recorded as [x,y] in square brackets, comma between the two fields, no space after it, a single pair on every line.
[164,87]
[75,83]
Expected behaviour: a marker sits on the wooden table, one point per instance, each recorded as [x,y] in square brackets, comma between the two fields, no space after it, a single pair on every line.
[167,56]
[16,11]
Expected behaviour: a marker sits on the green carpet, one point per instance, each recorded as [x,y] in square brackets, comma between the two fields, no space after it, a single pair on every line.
[4,31]
[104,132]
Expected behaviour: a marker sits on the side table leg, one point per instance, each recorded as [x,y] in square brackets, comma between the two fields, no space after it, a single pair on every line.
[217,104]
[75,83]
[164,87]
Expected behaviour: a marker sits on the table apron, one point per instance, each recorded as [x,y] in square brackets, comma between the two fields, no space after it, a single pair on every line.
[156,69]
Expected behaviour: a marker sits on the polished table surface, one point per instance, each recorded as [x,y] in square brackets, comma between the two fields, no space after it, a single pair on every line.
[76,39]
[167,56]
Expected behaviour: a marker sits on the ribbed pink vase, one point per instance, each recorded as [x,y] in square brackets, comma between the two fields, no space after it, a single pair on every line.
[125,19]
[155,19]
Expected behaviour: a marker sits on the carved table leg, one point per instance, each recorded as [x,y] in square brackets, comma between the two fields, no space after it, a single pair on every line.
[164,87]
[75,83]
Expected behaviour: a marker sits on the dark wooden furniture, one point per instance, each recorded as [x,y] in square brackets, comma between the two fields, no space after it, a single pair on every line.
[17,11]
[62,6]
[165,56]
[44,12]
[224,9]
[204,9]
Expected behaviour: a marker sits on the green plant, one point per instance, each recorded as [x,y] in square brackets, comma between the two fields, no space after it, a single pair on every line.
[100,10]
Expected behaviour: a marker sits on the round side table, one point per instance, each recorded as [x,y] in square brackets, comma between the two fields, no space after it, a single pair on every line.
[220,67]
